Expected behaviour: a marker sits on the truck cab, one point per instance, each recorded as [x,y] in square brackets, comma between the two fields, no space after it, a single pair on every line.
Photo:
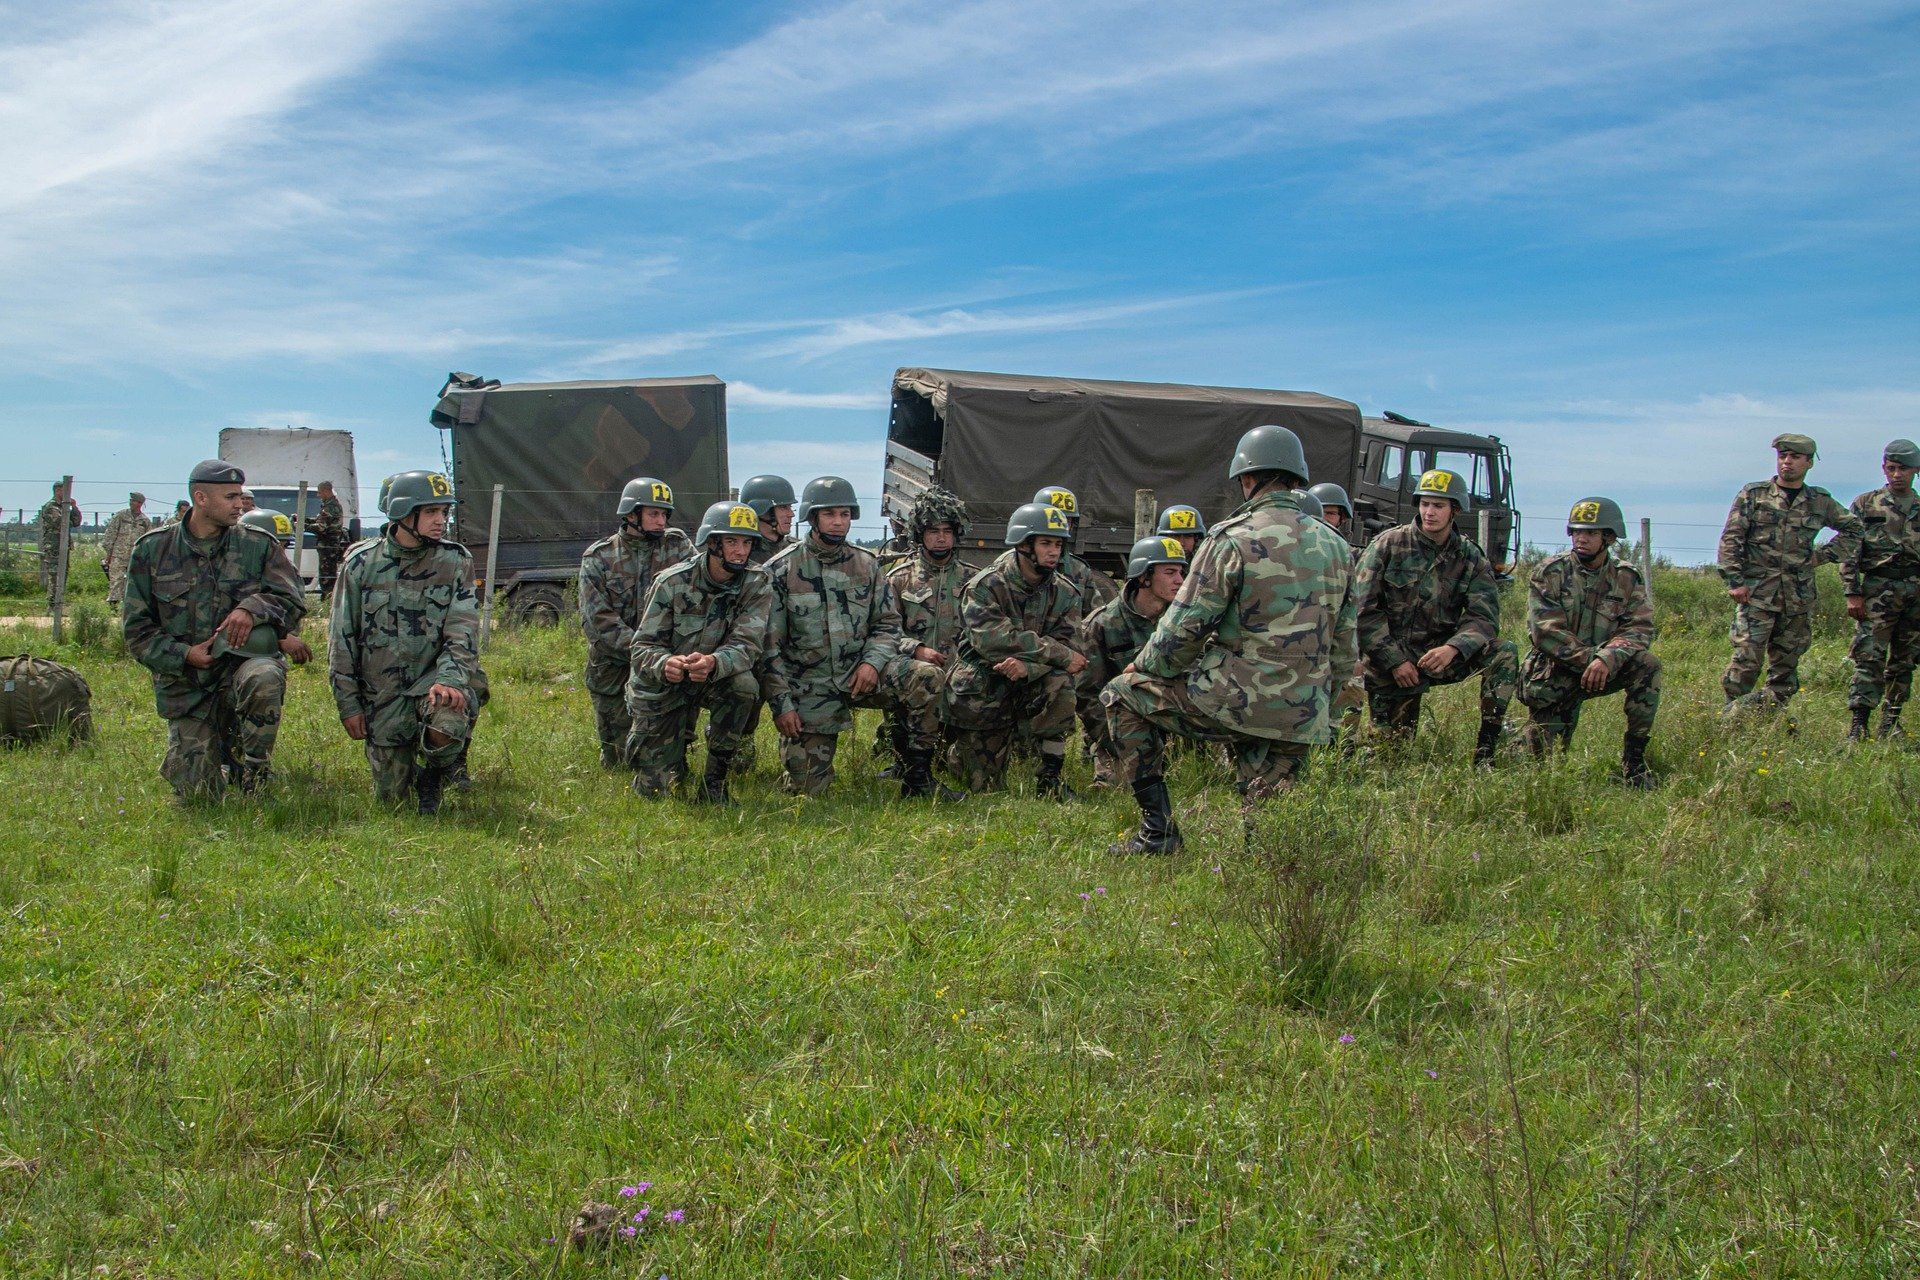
[1395,449]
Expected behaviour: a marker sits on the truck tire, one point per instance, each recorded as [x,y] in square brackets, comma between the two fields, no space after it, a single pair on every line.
[538,604]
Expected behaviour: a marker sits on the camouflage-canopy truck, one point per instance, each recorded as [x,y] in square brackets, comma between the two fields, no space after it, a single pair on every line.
[563,451]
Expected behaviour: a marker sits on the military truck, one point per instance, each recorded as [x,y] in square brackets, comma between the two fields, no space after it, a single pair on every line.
[277,459]
[996,438]
[1395,449]
[562,451]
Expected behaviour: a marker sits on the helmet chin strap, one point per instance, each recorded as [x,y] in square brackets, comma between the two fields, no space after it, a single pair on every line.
[831,539]
[1025,552]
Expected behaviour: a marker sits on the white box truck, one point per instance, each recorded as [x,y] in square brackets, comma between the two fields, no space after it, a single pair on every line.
[277,459]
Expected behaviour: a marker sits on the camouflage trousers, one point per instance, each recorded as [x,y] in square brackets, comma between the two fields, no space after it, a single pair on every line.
[397,746]
[1097,737]
[1886,645]
[1397,710]
[330,555]
[231,732]
[985,711]
[664,723]
[607,690]
[908,688]
[49,562]
[1142,710]
[1553,696]
[116,581]
[1774,637]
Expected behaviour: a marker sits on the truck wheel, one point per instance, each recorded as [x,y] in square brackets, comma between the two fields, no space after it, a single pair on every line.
[538,604]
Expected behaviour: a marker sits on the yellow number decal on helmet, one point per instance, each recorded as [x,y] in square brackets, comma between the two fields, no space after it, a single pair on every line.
[438,483]
[1062,499]
[282,525]
[661,493]
[1180,520]
[1056,518]
[1173,548]
[742,518]
[1584,513]
[1435,482]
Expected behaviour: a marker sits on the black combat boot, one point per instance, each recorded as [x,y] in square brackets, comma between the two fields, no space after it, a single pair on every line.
[895,749]
[713,786]
[1050,785]
[1890,729]
[1858,730]
[1158,832]
[1396,719]
[917,781]
[429,783]
[1491,728]
[1633,762]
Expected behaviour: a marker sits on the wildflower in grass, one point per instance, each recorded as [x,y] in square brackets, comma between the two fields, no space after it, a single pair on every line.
[641,1216]
[676,1215]
[1346,1037]
[629,1232]
[1761,772]
[638,1189]
[1100,889]
[1086,897]
[1432,1074]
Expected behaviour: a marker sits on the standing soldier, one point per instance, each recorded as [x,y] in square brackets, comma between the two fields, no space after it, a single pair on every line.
[1016,660]
[1430,615]
[835,645]
[1185,525]
[930,586]
[247,502]
[116,546]
[180,510]
[1250,652]
[1590,618]
[615,574]
[1881,574]
[697,643]
[771,498]
[1111,637]
[329,537]
[401,652]
[1095,588]
[203,585]
[1767,559]
[52,511]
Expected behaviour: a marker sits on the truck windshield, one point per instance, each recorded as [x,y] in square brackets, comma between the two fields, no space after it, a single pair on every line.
[285,500]
[1475,468]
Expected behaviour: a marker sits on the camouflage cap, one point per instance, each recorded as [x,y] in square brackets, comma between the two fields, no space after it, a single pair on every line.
[934,505]
[1904,452]
[214,471]
[136,497]
[1794,442]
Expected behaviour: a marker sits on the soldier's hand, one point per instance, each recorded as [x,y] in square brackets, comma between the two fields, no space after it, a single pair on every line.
[1594,678]
[1406,675]
[1739,594]
[700,667]
[356,727]
[1077,663]
[865,680]
[788,723]
[200,656]
[926,653]
[296,650]
[1127,670]
[1011,668]
[674,669]
[1857,608]
[1438,659]
[445,695]
[237,627]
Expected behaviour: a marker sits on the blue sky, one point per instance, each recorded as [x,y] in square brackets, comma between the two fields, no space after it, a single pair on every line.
[1636,240]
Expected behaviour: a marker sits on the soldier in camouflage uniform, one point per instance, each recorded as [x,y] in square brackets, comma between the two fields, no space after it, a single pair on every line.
[1430,615]
[929,585]
[835,645]
[276,526]
[771,498]
[1336,509]
[208,583]
[125,528]
[1880,572]
[329,537]
[50,516]
[1112,635]
[1590,618]
[1095,587]
[1016,661]
[697,644]
[401,654]
[1767,558]
[180,510]
[615,575]
[1250,652]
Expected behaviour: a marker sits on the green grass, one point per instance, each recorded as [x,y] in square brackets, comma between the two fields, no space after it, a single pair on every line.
[1592,1033]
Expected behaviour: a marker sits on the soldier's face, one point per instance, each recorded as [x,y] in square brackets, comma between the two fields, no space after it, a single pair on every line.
[246,502]
[1792,467]
[1163,584]
[1587,543]
[653,520]
[778,522]
[1436,515]
[1190,542]
[138,507]
[1046,552]
[938,539]
[1336,518]
[1898,477]
[432,522]
[834,522]
[734,549]
[220,504]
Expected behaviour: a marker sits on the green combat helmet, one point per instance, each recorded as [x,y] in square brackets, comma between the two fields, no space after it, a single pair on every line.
[1038,520]
[1444,484]
[932,506]
[386,488]
[1061,497]
[1332,495]
[1308,504]
[271,523]
[764,493]
[408,491]
[646,492]
[1149,552]
[827,491]
[1180,519]
[728,517]
[1603,514]
[1903,452]
[1269,448]
[262,642]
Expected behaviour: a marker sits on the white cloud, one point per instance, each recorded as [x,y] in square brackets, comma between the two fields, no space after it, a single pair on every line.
[745,395]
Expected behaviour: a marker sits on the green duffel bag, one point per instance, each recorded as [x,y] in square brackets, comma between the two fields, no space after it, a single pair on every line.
[40,698]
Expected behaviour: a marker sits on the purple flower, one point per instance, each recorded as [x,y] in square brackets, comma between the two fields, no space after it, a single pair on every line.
[676,1215]
[637,1189]
[1086,897]
[1346,1037]
[641,1216]
[1101,889]
[1432,1074]
[629,1232]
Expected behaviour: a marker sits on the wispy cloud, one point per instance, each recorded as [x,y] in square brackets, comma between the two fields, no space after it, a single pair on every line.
[747,395]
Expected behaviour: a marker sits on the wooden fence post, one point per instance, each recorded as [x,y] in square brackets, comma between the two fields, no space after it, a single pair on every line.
[493,554]
[300,538]
[58,579]
[1646,549]
[1146,509]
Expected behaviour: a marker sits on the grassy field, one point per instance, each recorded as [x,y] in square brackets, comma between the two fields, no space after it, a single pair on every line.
[1429,1022]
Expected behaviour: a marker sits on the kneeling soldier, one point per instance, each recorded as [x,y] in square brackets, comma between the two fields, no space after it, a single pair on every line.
[196,592]
[835,645]
[615,576]
[930,586]
[1111,637]
[1590,618]
[704,628]
[401,644]
[1185,525]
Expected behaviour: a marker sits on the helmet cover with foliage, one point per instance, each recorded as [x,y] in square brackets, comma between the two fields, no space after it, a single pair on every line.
[1332,495]
[408,491]
[932,506]
[1269,448]
[1179,520]
[825,492]
[646,491]
[728,517]
[1598,513]
[1444,484]
[1038,520]
[764,493]
[1149,552]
